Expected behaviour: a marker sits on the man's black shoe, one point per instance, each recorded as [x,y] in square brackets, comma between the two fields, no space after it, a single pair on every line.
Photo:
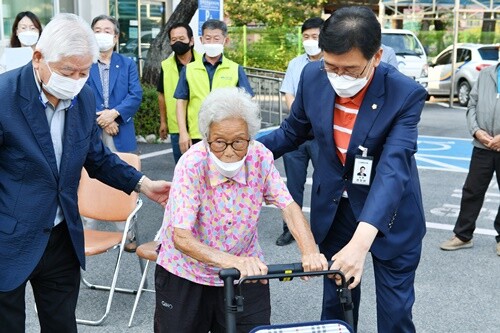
[284,239]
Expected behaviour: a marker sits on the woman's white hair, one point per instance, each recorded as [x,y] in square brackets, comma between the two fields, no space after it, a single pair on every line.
[225,103]
[67,35]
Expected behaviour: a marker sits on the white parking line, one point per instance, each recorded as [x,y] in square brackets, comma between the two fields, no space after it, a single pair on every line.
[429,225]
[156,153]
[442,226]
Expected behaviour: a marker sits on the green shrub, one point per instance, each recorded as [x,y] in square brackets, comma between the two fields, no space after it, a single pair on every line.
[147,119]
[268,48]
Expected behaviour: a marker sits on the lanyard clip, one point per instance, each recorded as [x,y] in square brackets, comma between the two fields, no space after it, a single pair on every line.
[364,151]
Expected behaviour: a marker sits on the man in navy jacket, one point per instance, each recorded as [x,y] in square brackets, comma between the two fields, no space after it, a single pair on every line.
[362,113]
[47,134]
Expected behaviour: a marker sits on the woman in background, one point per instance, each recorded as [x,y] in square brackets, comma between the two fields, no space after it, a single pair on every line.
[26,30]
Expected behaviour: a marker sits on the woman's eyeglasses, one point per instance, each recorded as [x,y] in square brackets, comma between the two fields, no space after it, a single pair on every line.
[218,146]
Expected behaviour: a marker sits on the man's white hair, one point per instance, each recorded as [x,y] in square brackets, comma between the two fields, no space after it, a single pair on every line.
[225,103]
[67,35]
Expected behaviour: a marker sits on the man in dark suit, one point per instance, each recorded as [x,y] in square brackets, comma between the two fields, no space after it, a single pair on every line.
[47,134]
[116,86]
[360,108]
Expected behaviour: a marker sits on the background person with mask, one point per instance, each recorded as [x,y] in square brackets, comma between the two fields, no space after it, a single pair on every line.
[25,33]
[181,41]
[26,30]
[118,94]
[363,112]
[296,162]
[199,78]
[117,89]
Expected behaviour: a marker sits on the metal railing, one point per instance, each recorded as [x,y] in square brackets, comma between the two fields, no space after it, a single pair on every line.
[266,86]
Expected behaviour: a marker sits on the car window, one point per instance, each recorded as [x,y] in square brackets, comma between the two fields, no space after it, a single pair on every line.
[444,59]
[464,55]
[402,44]
[489,53]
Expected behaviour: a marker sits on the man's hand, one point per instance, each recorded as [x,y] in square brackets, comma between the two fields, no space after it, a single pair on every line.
[350,260]
[184,141]
[106,117]
[483,137]
[163,130]
[156,190]
[494,143]
[112,129]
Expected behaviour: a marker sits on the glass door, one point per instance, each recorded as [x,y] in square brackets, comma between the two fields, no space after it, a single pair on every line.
[140,22]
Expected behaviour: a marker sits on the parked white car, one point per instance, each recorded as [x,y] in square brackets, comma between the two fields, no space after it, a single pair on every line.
[412,59]
[471,58]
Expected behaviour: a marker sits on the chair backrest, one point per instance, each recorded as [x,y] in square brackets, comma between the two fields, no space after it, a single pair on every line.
[99,201]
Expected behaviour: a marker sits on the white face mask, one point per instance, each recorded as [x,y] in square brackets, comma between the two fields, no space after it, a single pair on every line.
[213,50]
[348,87]
[228,170]
[344,87]
[28,38]
[311,47]
[105,41]
[63,87]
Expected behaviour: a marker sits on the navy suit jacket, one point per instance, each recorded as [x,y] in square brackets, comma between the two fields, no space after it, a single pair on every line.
[125,95]
[386,124]
[31,187]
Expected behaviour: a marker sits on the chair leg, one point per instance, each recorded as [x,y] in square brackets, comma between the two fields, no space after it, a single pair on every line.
[139,291]
[111,289]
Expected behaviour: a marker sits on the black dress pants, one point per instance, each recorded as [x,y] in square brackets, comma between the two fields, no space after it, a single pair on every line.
[55,282]
[483,164]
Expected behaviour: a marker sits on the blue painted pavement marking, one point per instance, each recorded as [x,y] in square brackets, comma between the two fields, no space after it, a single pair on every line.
[434,152]
[443,153]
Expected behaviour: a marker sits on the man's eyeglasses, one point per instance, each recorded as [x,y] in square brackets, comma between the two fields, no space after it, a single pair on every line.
[348,75]
[218,146]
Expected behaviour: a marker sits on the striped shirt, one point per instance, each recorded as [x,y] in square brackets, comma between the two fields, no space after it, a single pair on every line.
[344,116]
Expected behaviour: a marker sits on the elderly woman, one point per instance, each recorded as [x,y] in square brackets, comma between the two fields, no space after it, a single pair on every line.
[210,221]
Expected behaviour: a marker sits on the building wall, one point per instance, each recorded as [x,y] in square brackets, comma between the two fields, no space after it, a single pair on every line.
[88,9]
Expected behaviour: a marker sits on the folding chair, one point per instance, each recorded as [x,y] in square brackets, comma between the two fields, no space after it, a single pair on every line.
[99,201]
[145,251]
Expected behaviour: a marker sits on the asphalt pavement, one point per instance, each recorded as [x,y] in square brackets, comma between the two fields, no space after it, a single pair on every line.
[455,291]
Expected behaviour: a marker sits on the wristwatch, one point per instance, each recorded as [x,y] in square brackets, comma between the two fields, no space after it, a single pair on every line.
[139,184]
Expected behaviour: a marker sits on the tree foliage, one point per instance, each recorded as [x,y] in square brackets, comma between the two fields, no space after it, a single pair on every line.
[273,13]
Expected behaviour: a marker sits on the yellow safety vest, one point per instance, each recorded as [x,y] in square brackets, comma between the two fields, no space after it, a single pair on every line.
[170,79]
[226,75]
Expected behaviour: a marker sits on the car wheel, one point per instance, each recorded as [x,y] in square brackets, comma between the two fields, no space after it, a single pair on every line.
[463,93]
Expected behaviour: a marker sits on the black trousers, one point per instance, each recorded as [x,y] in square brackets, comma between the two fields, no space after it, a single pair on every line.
[482,165]
[188,307]
[55,282]
[394,279]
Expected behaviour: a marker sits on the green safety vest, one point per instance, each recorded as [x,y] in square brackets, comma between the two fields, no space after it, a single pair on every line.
[226,75]
[170,79]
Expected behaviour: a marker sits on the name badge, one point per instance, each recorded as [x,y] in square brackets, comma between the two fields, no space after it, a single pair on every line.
[362,169]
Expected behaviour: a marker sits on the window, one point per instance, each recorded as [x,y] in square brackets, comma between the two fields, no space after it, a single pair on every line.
[445,58]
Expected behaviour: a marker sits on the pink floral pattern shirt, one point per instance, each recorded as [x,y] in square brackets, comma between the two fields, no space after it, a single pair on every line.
[220,212]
